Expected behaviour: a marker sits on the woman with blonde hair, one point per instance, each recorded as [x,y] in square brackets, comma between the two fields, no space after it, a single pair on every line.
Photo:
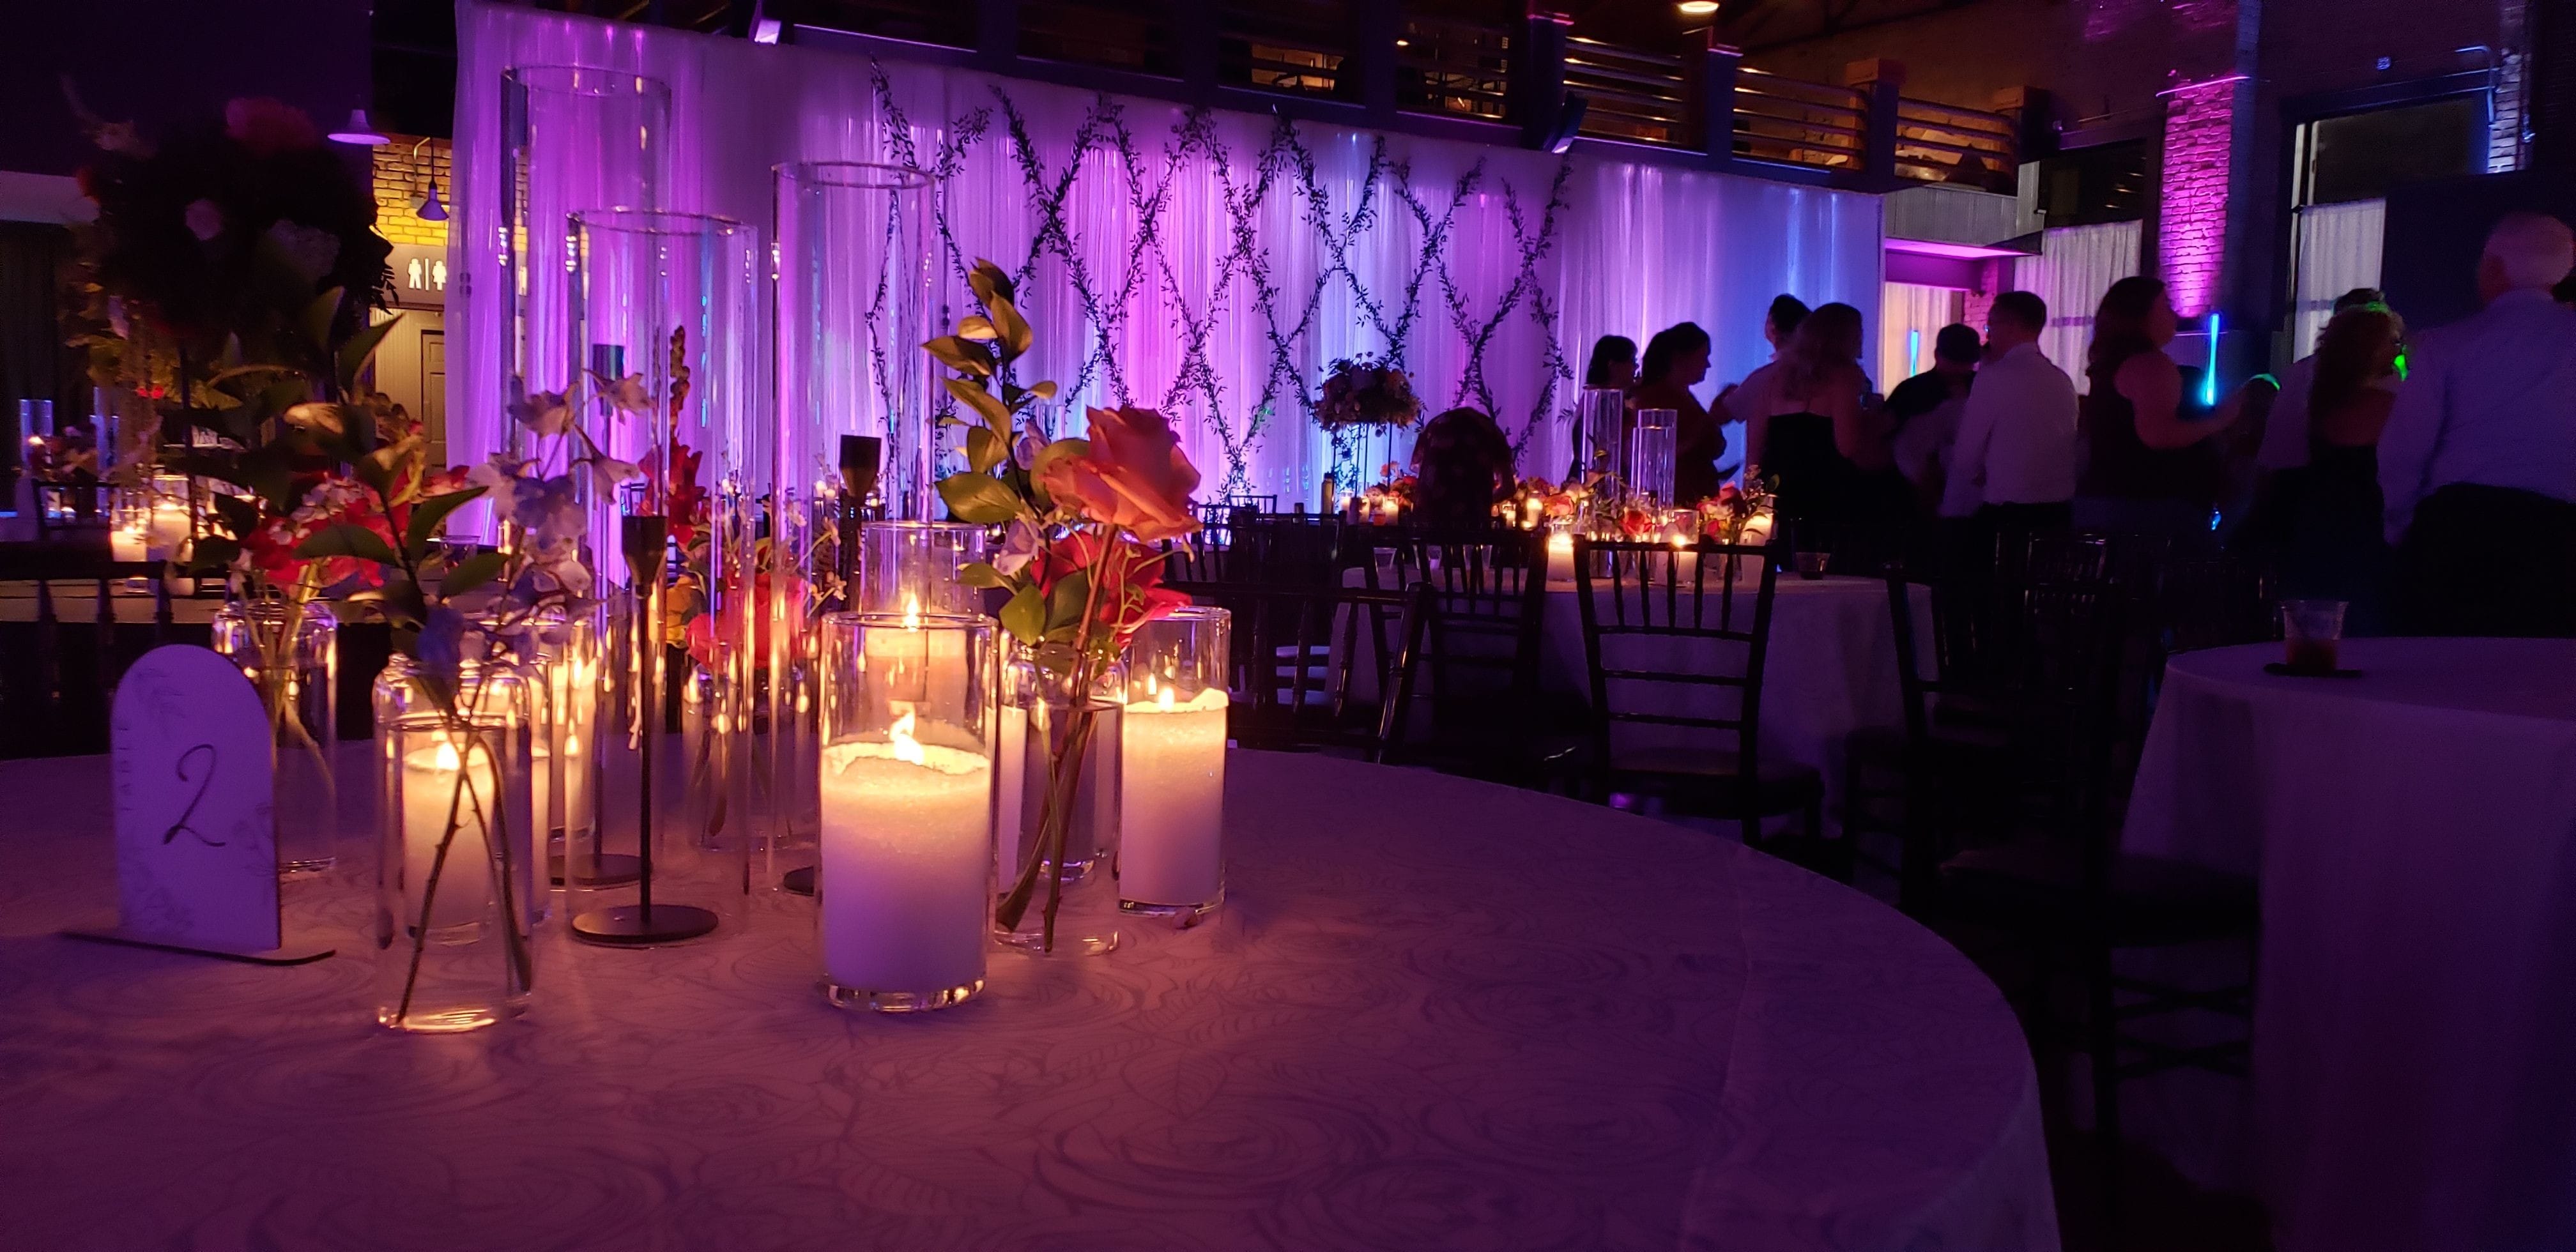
[1816,438]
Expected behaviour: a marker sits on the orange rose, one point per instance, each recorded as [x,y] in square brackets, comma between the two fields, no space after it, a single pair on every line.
[1135,476]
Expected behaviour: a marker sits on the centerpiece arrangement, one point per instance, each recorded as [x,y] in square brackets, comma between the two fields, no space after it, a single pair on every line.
[1361,395]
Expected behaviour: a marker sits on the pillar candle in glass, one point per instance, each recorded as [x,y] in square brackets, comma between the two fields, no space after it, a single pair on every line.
[915,564]
[1171,856]
[907,785]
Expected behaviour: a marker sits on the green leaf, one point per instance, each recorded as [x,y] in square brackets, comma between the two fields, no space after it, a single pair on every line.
[984,449]
[978,328]
[988,282]
[317,321]
[1012,329]
[980,574]
[961,355]
[980,400]
[347,539]
[470,573]
[212,554]
[429,514]
[1025,615]
[1065,600]
[979,498]
[239,516]
[1043,390]
[360,348]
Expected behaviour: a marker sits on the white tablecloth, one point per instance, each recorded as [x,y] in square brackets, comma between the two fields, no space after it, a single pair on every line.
[2414,831]
[1433,1014]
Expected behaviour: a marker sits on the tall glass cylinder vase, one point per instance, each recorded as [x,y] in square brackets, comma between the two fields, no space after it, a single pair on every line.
[574,138]
[676,297]
[914,566]
[1648,471]
[1171,852]
[908,797]
[1603,422]
[1049,756]
[456,879]
[858,272]
[291,655]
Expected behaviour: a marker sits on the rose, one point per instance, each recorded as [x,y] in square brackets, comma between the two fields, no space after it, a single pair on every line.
[1131,593]
[268,127]
[1134,477]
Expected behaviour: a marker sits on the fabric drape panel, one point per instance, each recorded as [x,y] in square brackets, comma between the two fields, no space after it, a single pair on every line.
[1207,263]
[1911,316]
[2075,265]
[2338,250]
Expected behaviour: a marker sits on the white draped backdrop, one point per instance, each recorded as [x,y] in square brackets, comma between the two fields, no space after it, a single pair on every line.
[2075,265]
[2338,250]
[1206,263]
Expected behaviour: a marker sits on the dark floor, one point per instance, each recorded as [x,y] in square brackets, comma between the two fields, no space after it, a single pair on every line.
[2159,1211]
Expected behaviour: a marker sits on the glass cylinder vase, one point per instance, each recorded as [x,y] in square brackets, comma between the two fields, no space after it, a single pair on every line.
[1052,753]
[1648,470]
[1171,852]
[914,566]
[1602,423]
[291,655]
[456,889]
[858,275]
[907,808]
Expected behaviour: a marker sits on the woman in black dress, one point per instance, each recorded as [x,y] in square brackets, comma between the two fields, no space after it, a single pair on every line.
[2335,549]
[2150,469]
[1818,439]
[1676,361]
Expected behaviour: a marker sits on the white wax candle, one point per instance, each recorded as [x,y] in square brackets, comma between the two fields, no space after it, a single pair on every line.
[907,865]
[127,543]
[1011,754]
[429,791]
[1560,558]
[1173,800]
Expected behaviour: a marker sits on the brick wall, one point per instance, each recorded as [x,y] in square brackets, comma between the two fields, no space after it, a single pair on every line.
[402,179]
[2191,229]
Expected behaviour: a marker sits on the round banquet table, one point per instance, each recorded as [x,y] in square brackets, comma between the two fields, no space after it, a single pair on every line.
[2414,833]
[1433,1013]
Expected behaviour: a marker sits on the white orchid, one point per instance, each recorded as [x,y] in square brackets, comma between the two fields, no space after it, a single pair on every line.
[543,412]
[628,395]
[1020,546]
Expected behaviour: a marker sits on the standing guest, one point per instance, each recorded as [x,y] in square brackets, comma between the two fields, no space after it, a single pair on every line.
[2329,508]
[1749,401]
[2285,433]
[1462,465]
[2015,465]
[1677,360]
[1819,438]
[1926,409]
[2151,469]
[2478,461]
[1613,363]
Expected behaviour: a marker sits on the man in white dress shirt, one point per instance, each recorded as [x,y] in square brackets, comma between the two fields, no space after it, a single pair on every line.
[2014,467]
[2477,465]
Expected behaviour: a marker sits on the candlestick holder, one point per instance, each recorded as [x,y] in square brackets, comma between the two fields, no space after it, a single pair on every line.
[907,817]
[1171,854]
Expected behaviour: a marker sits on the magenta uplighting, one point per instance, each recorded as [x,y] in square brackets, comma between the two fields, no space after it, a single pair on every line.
[2191,235]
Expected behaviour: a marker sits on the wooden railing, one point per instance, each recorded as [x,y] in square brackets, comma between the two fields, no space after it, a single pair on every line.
[1462,69]
[1093,32]
[1799,123]
[1302,47]
[1943,143]
[1642,97]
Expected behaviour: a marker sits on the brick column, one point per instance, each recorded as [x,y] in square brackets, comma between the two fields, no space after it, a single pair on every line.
[2191,224]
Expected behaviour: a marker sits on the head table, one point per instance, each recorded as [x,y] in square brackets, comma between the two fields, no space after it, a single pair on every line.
[2413,829]
[1433,1013]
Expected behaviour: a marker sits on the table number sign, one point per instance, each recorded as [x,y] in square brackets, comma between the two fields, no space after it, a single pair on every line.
[196,854]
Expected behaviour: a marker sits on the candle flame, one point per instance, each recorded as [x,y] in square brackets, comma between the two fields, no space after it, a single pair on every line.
[1163,699]
[912,612]
[445,757]
[572,744]
[906,748]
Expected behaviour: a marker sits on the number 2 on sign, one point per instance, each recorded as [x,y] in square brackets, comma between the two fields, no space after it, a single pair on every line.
[191,811]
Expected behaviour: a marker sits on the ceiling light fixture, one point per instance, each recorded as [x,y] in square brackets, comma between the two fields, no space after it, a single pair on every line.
[430,209]
[1697,8]
[359,132]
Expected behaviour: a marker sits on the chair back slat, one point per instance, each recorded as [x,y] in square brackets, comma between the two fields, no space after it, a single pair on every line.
[1295,652]
[1708,608]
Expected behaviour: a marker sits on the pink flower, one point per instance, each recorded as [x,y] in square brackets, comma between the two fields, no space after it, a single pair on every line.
[268,127]
[1135,476]
[205,219]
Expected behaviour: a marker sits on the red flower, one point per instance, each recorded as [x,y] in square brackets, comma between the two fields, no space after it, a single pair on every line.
[1135,476]
[701,634]
[1133,592]
[268,127]
[686,500]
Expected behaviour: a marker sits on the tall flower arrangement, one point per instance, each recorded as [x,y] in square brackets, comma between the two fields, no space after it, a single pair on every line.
[1082,517]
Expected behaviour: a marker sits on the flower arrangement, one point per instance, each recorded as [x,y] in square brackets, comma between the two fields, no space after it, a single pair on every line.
[1079,516]
[1727,515]
[1362,391]
[1537,501]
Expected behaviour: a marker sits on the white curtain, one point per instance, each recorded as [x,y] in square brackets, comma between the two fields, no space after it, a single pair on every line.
[2338,251]
[2075,265]
[1208,263]
[1910,317]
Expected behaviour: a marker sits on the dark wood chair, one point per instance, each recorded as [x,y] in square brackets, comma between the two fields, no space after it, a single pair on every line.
[1703,617]
[1489,717]
[1295,652]
[2057,882]
[57,677]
